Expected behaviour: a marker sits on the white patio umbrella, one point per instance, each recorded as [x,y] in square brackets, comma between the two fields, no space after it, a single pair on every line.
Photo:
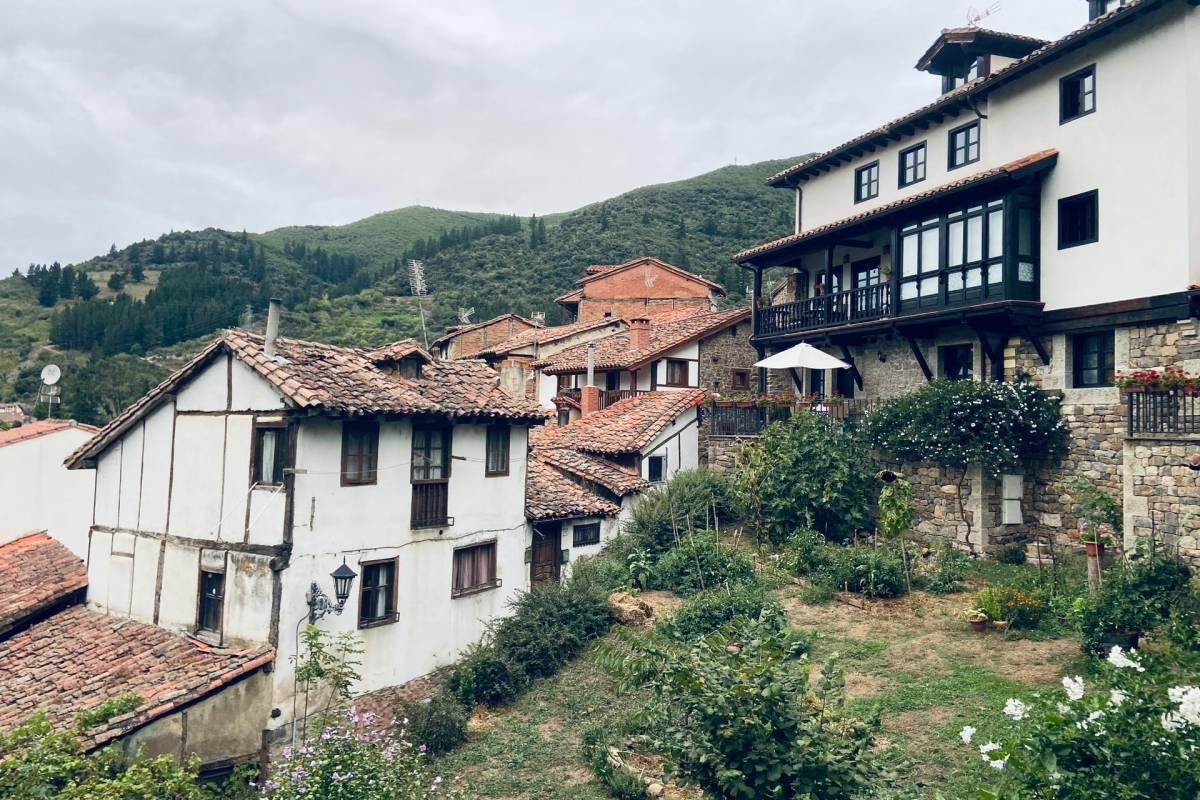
[802,355]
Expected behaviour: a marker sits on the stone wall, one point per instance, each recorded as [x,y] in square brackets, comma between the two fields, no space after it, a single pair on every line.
[1162,494]
[719,453]
[719,355]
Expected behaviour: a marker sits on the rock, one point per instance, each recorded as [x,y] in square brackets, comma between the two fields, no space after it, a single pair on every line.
[629,610]
[655,789]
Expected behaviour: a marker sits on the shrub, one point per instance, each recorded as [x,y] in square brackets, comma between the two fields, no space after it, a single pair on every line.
[817,473]
[601,574]
[738,714]
[439,723]
[486,676]
[805,552]
[1134,598]
[871,572]
[949,571]
[551,625]
[1000,426]
[621,783]
[703,613]
[1133,734]
[351,761]
[1013,554]
[702,562]
[684,503]
[1183,622]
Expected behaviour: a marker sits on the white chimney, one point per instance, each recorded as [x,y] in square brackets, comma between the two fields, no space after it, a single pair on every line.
[591,364]
[272,327]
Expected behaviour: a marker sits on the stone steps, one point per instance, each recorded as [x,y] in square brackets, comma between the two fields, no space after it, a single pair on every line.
[1034,555]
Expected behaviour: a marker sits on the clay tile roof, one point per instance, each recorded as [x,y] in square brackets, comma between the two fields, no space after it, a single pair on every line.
[455,330]
[597,271]
[41,427]
[344,380]
[545,335]
[398,350]
[38,574]
[602,472]
[626,426]
[1011,45]
[617,352]
[1042,159]
[980,87]
[78,658]
[551,495]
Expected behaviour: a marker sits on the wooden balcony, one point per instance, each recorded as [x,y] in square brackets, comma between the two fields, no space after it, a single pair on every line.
[749,419]
[855,305]
[607,396]
[430,504]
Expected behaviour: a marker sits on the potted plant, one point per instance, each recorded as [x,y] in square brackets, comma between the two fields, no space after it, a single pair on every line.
[989,603]
[1094,541]
[1099,513]
[978,619]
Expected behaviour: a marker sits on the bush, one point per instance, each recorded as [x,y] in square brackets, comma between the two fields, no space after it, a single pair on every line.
[949,571]
[705,612]
[871,572]
[806,552]
[1013,554]
[686,502]
[439,723]
[1135,598]
[601,574]
[486,676]
[701,562]
[621,783]
[1019,609]
[1183,622]
[551,625]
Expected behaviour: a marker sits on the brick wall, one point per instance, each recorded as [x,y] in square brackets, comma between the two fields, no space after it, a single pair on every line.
[643,290]
[464,345]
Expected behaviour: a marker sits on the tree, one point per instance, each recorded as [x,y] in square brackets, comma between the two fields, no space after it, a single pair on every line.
[85,287]
[137,273]
[66,283]
[604,216]
[48,293]
[116,281]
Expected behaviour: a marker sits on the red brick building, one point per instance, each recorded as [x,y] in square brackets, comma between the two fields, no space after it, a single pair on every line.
[643,287]
[466,341]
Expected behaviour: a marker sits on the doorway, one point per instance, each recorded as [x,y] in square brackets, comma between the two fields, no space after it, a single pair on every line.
[544,560]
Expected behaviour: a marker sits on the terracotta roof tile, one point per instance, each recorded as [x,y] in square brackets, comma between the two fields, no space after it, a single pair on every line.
[945,188]
[41,427]
[455,330]
[78,658]
[398,350]
[37,573]
[545,335]
[617,352]
[613,477]
[551,495]
[625,427]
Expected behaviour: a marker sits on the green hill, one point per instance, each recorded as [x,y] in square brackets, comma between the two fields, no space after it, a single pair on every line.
[149,304]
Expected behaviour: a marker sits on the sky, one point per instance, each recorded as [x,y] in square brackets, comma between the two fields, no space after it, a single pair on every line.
[125,119]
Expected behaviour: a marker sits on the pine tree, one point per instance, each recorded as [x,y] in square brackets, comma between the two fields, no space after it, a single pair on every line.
[604,216]
[112,250]
[66,283]
[48,293]
[137,273]
[116,281]
[85,287]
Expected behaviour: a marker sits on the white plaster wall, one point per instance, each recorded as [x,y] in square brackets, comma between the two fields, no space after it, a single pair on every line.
[251,392]
[181,586]
[158,433]
[682,450]
[197,491]
[1192,84]
[609,528]
[41,494]
[208,390]
[547,388]
[130,493]
[249,584]
[689,352]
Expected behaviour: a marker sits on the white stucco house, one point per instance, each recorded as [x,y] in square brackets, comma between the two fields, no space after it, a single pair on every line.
[40,494]
[261,467]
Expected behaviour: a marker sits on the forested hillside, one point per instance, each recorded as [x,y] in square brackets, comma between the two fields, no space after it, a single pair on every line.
[118,322]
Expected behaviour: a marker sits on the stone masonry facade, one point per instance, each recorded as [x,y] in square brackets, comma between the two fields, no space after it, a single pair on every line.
[720,355]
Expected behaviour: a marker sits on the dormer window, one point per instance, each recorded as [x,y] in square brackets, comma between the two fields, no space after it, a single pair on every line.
[866,182]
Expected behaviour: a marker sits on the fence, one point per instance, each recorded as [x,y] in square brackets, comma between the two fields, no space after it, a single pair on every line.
[1168,412]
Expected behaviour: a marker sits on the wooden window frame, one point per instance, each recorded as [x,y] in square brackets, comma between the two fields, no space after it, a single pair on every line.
[950,150]
[391,616]
[1092,195]
[735,384]
[200,600]
[687,372]
[662,476]
[456,591]
[351,427]
[1106,380]
[922,148]
[1073,84]
[281,452]
[506,442]
[447,434]
[872,186]
[588,528]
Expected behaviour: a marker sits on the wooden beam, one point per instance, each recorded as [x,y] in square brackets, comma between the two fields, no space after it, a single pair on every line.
[849,359]
[917,354]
[796,381]
[859,243]
[1033,338]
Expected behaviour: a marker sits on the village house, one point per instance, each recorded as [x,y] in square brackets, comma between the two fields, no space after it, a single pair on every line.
[272,482]
[641,287]
[40,494]
[467,340]
[1019,222]
[170,693]
[514,357]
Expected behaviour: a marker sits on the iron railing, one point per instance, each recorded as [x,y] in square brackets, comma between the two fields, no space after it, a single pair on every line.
[1170,412]
[853,305]
[747,419]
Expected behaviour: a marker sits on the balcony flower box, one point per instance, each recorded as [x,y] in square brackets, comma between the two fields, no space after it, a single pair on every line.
[1169,379]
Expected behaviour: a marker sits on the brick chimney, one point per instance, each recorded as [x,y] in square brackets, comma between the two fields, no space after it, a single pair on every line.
[589,395]
[639,333]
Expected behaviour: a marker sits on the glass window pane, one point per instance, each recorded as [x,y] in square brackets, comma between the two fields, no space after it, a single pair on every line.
[929,250]
[909,258]
[955,244]
[1025,272]
[974,277]
[954,281]
[996,234]
[1025,231]
[995,273]
[929,287]
[975,239]
[266,454]
[908,290]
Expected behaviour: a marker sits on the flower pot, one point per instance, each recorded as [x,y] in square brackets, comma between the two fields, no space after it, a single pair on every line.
[978,625]
[1133,389]
[723,403]
[1095,549]
[1000,624]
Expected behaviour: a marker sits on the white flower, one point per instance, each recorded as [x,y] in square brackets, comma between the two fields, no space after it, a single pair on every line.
[966,733]
[1188,700]
[1171,722]
[1016,709]
[984,749]
[1084,724]
[1118,659]
[998,764]
[1063,708]
[1074,687]
[1116,697]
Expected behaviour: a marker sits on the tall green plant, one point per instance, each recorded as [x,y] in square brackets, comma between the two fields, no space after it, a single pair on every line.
[896,514]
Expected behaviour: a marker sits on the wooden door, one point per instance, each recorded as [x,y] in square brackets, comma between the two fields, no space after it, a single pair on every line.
[544,561]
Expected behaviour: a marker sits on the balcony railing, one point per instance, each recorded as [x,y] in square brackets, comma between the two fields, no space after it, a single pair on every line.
[853,305]
[748,419]
[430,504]
[1169,412]
[607,396]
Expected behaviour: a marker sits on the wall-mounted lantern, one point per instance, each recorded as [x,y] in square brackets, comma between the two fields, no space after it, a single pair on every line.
[319,603]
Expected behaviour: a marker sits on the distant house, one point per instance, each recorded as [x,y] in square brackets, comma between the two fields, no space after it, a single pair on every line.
[641,287]
[514,357]
[39,492]
[228,495]
[188,697]
[12,413]
[465,341]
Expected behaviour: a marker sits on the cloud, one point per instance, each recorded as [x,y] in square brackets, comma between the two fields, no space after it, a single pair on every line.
[121,120]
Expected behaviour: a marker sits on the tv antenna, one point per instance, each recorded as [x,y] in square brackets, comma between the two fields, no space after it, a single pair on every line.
[975,16]
[416,280]
[539,317]
[51,392]
[464,315]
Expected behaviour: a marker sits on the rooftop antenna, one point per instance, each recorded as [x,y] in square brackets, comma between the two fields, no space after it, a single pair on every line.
[975,16]
[464,314]
[416,280]
[50,393]
[539,317]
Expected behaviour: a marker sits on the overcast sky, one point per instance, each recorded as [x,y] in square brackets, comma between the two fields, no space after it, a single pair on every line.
[120,120]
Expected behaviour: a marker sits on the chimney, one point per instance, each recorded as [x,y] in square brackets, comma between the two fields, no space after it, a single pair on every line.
[589,395]
[639,333]
[591,364]
[512,379]
[272,327]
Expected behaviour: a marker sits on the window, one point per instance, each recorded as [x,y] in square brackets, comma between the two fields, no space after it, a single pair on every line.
[498,437]
[1077,94]
[212,601]
[1097,8]
[430,476]
[740,379]
[584,535]
[964,145]
[1092,359]
[270,454]
[360,452]
[1078,220]
[656,469]
[866,182]
[677,372]
[956,362]
[816,382]
[474,569]
[377,593]
[912,164]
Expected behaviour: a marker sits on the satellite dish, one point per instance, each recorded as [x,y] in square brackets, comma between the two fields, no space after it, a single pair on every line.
[50,374]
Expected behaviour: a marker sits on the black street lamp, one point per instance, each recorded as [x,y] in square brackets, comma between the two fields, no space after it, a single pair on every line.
[319,603]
